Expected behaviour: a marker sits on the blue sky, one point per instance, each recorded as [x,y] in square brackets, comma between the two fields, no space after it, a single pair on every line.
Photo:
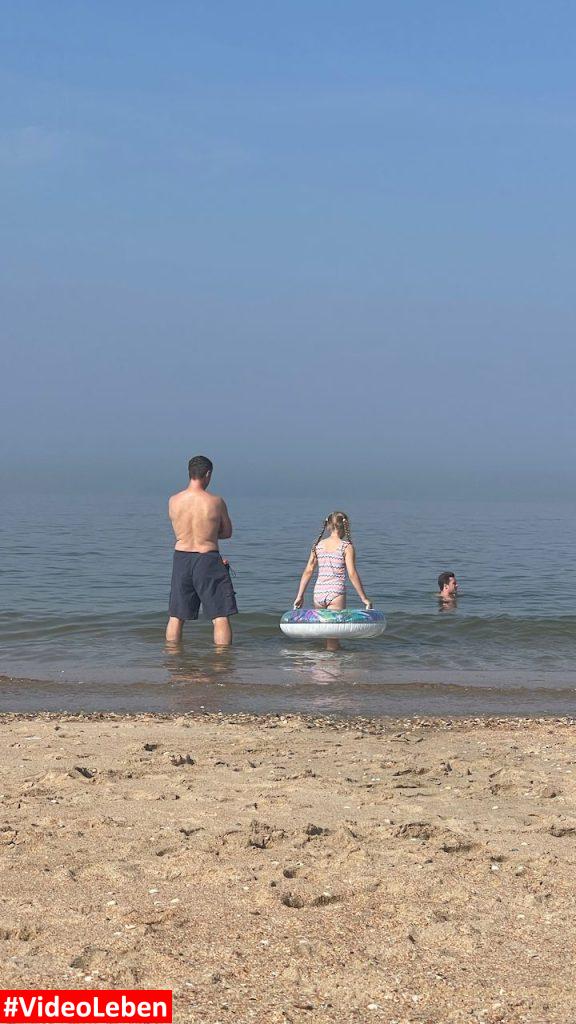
[329,244]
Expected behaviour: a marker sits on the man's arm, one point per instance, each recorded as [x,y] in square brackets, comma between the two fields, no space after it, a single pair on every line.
[225,531]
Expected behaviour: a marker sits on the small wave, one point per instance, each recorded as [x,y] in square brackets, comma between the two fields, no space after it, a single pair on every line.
[401,627]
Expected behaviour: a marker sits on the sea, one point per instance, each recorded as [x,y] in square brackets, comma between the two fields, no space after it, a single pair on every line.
[84,585]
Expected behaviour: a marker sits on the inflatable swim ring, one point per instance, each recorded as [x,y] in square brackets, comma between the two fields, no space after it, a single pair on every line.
[351,623]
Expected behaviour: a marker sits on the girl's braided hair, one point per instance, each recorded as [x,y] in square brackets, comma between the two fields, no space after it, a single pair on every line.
[336,521]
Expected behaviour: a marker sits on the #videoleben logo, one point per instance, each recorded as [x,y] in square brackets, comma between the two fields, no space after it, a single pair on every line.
[97,1006]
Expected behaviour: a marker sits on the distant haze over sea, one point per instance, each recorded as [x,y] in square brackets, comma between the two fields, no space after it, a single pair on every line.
[329,245]
[333,477]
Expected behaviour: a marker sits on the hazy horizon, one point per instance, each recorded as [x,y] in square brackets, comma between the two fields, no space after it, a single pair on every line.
[329,245]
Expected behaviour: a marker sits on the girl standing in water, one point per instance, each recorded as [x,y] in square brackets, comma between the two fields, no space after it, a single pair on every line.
[334,558]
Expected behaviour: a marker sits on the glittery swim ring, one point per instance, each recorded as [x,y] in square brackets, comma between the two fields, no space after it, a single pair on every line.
[351,622]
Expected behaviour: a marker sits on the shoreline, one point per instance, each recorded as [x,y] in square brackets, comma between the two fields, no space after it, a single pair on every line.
[371,724]
[283,868]
[323,695]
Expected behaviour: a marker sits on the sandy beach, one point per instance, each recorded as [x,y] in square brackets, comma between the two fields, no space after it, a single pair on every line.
[287,869]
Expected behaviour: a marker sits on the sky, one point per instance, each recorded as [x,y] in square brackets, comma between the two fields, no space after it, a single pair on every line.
[329,244]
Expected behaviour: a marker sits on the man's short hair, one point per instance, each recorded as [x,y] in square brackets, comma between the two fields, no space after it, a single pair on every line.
[445,578]
[199,467]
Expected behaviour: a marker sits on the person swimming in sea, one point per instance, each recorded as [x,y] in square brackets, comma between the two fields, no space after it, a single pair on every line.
[447,589]
[333,558]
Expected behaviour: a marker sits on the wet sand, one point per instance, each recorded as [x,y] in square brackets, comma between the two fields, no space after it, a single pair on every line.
[288,870]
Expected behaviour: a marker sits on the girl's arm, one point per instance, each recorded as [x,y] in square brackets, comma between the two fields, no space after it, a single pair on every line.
[306,577]
[350,557]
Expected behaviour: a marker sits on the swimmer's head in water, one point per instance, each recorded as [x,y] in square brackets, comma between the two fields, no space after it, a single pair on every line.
[447,584]
[199,467]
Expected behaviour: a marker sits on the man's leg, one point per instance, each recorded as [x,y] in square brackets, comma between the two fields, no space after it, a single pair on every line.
[184,602]
[174,629]
[222,631]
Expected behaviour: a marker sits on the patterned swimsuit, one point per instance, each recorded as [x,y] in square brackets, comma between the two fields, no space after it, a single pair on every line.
[331,582]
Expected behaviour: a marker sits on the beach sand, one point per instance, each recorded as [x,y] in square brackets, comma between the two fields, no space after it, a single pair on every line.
[283,869]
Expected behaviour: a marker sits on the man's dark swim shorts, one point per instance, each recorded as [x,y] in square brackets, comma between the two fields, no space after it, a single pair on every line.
[201,578]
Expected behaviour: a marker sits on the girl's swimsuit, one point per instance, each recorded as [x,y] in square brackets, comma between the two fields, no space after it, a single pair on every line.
[331,582]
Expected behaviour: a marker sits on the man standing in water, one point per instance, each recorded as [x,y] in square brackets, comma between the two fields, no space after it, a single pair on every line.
[199,576]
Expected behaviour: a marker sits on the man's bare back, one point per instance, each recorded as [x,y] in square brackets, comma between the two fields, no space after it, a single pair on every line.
[199,520]
[200,577]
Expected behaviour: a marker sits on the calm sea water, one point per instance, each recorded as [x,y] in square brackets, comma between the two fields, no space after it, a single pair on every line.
[84,587]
